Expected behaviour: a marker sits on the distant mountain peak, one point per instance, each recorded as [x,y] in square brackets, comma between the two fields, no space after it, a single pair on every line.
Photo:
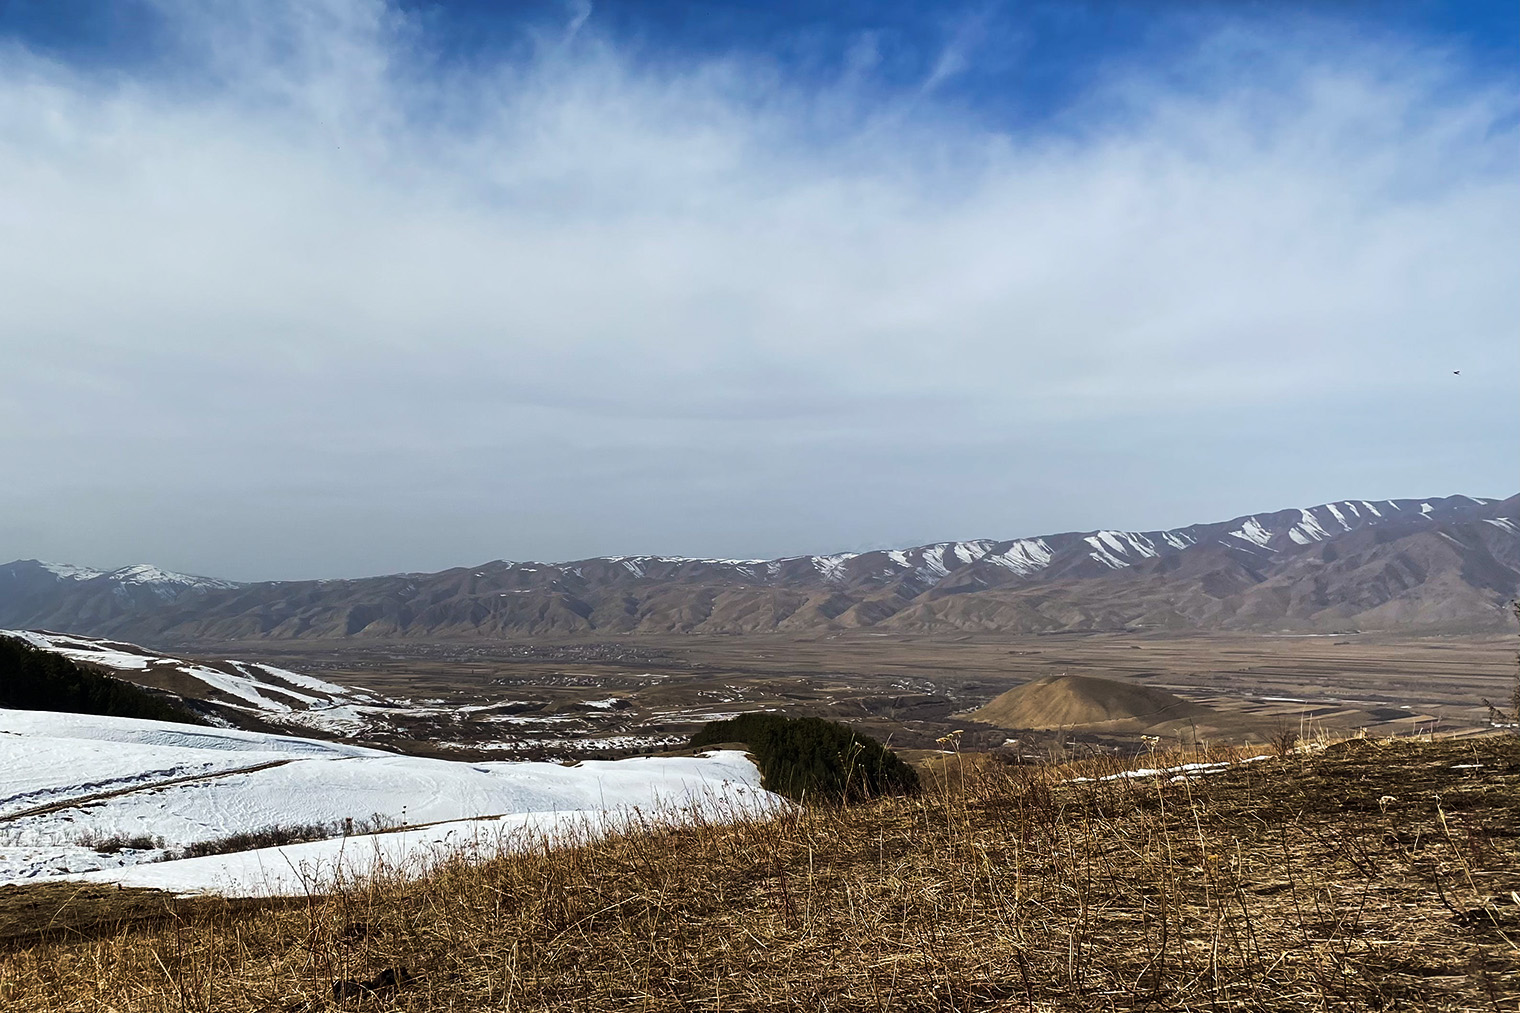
[123,581]
[68,571]
[135,574]
[146,573]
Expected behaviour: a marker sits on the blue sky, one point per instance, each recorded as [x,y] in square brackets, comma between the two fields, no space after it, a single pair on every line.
[1023,60]
[341,287]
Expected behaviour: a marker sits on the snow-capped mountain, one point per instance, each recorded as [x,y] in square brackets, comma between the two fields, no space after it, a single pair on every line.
[91,599]
[166,583]
[132,587]
[1445,562]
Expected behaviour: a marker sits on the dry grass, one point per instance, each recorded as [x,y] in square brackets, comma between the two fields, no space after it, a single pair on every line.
[1365,876]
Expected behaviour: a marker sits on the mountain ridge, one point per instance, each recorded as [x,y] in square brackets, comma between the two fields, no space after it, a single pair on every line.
[1437,563]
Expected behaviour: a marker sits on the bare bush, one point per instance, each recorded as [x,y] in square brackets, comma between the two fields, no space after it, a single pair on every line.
[113,844]
[1284,739]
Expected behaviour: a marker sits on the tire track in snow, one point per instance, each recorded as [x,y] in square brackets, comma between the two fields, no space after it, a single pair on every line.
[101,796]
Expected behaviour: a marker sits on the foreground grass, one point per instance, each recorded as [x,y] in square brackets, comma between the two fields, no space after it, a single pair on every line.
[1367,876]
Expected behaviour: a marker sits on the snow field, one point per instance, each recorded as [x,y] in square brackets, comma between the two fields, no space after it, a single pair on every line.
[322,866]
[101,777]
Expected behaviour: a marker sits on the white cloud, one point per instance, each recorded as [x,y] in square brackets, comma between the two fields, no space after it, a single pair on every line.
[314,265]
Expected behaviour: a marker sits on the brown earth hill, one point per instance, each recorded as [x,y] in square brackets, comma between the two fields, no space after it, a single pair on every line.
[1081,701]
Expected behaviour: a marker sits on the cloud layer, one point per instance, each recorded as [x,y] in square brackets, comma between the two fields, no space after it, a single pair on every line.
[309,300]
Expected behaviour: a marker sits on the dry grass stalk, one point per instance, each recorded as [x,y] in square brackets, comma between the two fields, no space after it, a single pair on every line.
[1363,876]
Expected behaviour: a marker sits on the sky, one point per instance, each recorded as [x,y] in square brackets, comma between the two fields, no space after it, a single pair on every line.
[343,287]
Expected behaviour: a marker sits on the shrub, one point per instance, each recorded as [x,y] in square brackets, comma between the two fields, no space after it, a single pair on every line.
[279,835]
[1284,739]
[116,843]
[252,840]
[810,758]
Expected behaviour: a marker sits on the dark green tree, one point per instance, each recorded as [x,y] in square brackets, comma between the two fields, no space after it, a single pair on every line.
[34,679]
[810,758]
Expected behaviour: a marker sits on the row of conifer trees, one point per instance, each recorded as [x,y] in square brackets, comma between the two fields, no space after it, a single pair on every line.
[34,679]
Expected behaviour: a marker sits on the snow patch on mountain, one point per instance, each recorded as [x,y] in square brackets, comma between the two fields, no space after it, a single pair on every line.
[934,563]
[110,653]
[832,568]
[1112,548]
[1252,531]
[1345,524]
[1101,554]
[1308,529]
[69,571]
[1024,556]
[970,552]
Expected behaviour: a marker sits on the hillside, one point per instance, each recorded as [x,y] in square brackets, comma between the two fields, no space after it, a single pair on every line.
[69,781]
[1367,876]
[231,693]
[1076,701]
[1440,565]
[32,678]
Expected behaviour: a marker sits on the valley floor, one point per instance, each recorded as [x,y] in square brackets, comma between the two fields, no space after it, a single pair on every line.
[593,699]
[1368,875]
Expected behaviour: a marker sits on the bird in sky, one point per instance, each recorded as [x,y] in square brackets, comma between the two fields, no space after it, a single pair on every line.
[1456,372]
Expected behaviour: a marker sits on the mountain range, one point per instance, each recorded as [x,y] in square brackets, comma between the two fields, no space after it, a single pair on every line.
[1446,564]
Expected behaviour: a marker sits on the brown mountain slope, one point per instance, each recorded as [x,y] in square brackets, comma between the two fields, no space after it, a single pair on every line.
[1453,578]
[1428,565]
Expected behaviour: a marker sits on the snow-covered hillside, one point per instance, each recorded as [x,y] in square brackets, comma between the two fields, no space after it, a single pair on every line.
[66,779]
[274,695]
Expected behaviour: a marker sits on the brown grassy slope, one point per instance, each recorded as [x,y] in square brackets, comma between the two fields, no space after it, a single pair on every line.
[1372,876]
[1069,701]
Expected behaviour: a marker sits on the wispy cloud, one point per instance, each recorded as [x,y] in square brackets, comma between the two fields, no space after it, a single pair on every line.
[310,300]
[580,13]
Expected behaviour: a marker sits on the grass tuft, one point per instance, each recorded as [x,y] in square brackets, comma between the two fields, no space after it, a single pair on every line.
[1359,875]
